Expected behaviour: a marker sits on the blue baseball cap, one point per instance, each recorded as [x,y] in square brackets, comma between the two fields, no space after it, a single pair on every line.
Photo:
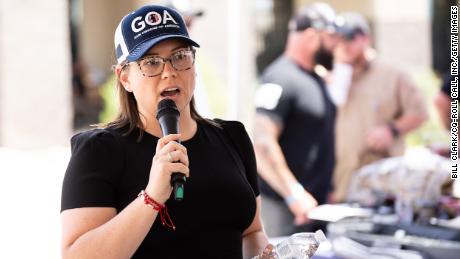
[147,26]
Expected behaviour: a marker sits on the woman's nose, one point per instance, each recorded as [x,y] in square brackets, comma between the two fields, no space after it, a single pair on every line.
[168,70]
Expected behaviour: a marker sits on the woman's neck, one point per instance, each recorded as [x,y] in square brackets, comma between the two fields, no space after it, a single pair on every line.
[187,127]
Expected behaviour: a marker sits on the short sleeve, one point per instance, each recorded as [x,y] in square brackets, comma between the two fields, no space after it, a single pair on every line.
[274,101]
[446,83]
[246,151]
[410,97]
[93,171]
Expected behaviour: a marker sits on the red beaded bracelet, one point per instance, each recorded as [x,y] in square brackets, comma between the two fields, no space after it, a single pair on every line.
[164,215]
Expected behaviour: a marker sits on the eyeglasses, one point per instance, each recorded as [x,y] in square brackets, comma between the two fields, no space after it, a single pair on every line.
[151,66]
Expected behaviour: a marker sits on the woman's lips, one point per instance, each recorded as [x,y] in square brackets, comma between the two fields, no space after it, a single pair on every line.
[170,92]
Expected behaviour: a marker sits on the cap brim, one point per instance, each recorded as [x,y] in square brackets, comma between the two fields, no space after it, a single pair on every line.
[144,47]
[345,32]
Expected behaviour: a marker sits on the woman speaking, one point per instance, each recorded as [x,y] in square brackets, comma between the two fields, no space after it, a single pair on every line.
[117,197]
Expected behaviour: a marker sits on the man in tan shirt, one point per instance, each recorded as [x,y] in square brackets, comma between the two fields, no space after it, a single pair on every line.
[377,104]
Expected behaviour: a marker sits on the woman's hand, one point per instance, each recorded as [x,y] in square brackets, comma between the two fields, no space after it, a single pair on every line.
[268,253]
[170,157]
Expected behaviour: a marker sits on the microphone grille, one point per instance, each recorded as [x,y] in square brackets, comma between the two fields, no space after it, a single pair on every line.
[166,106]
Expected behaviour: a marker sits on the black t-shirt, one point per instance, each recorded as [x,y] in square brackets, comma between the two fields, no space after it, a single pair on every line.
[299,101]
[446,84]
[107,169]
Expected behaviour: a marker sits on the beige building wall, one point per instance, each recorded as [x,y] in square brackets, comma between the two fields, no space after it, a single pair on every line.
[99,19]
[401,29]
[364,7]
[35,80]
[403,33]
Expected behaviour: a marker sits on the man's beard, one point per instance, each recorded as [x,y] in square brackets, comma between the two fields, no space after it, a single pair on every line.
[324,57]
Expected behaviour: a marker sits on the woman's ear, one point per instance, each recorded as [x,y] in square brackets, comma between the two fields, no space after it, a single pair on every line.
[122,75]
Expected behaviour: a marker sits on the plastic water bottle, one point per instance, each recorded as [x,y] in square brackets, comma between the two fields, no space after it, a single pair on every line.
[297,246]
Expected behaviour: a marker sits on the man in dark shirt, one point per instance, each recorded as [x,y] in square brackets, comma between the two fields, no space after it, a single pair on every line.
[294,126]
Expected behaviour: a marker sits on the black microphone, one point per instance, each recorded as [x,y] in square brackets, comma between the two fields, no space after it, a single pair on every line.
[168,116]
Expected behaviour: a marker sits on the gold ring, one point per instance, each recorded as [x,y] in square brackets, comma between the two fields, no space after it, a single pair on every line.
[170,158]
